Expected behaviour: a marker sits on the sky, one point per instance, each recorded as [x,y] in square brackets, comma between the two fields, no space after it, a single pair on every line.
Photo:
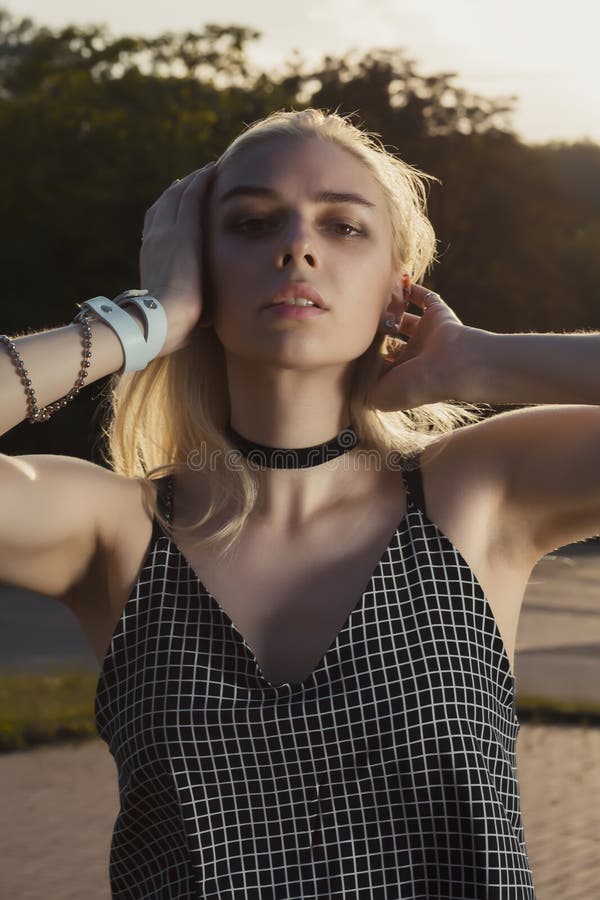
[544,54]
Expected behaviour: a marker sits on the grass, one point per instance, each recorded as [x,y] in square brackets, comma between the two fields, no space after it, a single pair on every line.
[542,711]
[44,709]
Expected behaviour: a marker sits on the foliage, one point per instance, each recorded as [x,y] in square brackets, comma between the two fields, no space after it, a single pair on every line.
[94,127]
[41,709]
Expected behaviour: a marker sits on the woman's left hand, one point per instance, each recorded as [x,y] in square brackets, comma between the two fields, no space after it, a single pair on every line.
[428,367]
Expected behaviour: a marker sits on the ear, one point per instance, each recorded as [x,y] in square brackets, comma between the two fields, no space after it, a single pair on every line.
[396,304]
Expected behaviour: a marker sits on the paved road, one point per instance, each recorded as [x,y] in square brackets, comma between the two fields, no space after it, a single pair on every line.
[60,803]
[558,641]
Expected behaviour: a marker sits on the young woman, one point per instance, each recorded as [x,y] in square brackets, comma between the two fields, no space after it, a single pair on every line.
[303,569]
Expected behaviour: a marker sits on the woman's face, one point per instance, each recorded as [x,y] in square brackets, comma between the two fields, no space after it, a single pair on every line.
[260,241]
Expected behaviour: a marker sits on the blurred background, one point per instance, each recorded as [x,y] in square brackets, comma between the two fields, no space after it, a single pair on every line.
[103,106]
[99,112]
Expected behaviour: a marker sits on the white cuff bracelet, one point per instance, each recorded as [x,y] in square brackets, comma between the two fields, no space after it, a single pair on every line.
[138,349]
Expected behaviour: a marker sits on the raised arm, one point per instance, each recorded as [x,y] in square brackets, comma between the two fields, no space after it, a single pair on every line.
[55,510]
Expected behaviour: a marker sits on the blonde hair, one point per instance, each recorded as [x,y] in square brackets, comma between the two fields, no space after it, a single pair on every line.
[160,417]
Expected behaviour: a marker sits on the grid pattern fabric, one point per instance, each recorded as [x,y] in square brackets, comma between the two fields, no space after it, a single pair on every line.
[389,772]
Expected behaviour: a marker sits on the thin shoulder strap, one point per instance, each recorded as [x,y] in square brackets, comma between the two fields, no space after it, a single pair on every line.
[414,484]
[164,503]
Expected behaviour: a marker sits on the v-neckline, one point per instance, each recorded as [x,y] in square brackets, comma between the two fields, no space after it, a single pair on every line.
[249,650]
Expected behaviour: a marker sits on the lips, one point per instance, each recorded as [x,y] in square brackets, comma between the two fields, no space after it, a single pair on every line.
[297,289]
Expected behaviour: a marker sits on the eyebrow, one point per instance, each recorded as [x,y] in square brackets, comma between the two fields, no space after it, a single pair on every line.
[253,190]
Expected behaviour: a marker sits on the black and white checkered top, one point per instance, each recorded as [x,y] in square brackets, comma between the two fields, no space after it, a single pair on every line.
[389,772]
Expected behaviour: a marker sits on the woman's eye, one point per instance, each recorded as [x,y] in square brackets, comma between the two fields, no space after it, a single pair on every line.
[353,227]
[248,226]
[243,226]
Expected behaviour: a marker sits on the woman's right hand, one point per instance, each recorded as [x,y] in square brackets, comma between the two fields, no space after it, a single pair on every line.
[170,258]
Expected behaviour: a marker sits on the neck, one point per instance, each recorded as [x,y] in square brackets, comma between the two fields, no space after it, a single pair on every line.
[291,408]
[267,456]
[287,407]
[294,485]
[291,498]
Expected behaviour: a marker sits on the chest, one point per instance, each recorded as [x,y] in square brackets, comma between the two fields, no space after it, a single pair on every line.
[289,596]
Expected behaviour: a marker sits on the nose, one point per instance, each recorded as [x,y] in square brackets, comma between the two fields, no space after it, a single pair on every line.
[297,245]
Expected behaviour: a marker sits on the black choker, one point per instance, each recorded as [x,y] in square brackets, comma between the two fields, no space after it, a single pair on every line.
[289,458]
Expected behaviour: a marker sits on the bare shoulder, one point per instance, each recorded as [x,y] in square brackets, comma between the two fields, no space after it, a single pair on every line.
[125,513]
[471,455]
[461,454]
[126,504]
[58,521]
[467,474]
[125,525]
[109,494]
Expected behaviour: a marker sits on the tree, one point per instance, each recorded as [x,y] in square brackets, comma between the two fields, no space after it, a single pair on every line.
[94,128]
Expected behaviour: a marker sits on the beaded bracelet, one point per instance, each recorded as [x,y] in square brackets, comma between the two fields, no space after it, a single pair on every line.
[42,415]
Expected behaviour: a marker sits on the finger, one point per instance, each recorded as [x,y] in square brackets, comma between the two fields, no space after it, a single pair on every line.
[184,182]
[149,219]
[180,184]
[409,323]
[424,297]
[165,207]
[194,193]
[394,352]
[170,199]
[396,316]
